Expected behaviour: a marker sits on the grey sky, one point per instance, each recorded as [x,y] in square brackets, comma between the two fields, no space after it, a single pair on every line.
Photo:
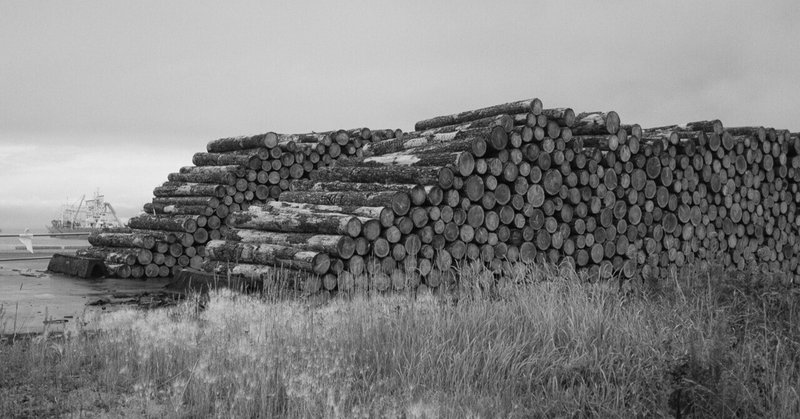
[116,95]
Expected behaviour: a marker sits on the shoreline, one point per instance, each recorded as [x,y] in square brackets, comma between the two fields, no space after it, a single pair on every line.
[33,300]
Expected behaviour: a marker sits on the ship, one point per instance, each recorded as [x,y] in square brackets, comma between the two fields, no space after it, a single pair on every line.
[86,216]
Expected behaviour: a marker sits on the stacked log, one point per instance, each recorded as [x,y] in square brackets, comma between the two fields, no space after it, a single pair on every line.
[725,196]
[519,182]
[359,209]
[194,206]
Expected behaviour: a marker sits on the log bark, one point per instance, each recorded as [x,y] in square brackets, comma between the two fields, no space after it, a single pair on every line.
[334,245]
[564,117]
[282,220]
[466,140]
[220,177]
[267,140]
[392,174]
[524,106]
[118,255]
[131,239]
[226,159]
[238,171]
[504,122]
[383,214]
[596,123]
[176,189]
[335,186]
[181,223]
[463,161]
[261,276]
[268,254]
[399,202]
[187,201]
[160,209]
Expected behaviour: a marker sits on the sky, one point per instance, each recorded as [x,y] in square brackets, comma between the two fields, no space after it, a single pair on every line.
[115,95]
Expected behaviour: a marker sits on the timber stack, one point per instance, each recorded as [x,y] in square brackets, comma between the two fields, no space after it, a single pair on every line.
[509,183]
[194,205]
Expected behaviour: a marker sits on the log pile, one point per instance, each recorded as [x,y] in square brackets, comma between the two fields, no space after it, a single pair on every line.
[361,209]
[519,182]
[194,205]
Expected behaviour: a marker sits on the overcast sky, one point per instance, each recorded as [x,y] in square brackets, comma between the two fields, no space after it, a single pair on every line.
[115,95]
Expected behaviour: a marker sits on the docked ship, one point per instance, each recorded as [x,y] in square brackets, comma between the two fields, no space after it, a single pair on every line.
[87,215]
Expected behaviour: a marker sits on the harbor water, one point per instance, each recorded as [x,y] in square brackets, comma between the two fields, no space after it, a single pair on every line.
[32,299]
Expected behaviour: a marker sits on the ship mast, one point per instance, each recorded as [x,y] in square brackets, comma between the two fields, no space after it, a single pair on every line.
[77,211]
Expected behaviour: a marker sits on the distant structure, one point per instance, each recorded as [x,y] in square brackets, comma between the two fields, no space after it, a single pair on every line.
[86,216]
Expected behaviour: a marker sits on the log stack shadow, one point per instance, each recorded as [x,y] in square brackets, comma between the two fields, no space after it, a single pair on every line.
[378,210]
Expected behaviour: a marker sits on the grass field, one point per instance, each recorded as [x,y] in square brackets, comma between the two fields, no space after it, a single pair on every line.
[545,343]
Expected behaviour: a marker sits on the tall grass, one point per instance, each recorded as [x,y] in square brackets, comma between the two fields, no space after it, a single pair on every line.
[699,345]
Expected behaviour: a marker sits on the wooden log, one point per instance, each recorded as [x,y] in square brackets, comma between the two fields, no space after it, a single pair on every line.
[267,140]
[226,159]
[208,201]
[189,189]
[564,117]
[225,176]
[117,255]
[259,276]
[393,174]
[474,140]
[268,254]
[238,171]
[303,185]
[600,142]
[180,223]
[596,123]
[531,105]
[399,202]
[463,161]
[129,239]
[385,215]
[287,221]
[119,270]
[160,209]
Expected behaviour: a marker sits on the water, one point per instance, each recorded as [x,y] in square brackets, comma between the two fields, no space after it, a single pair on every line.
[29,296]
[12,244]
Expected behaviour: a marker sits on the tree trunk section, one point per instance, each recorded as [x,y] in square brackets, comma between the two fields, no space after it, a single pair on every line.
[221,177]
[226,159]
[187,201]
[175,189]
[463,161]
[391,174]
[283,220]
[160,209]
[132,239]
[335,245]
[596,123]
[268,254]
[181,223]
[399,202]
[385,215]
[524,106]
[221,145]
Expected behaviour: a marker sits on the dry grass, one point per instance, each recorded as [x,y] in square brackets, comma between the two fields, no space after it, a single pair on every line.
[704,345]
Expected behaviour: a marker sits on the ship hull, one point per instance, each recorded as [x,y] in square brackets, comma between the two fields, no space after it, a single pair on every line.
[63,230]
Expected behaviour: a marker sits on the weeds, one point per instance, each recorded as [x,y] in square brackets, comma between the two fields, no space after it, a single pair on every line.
[541,342]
